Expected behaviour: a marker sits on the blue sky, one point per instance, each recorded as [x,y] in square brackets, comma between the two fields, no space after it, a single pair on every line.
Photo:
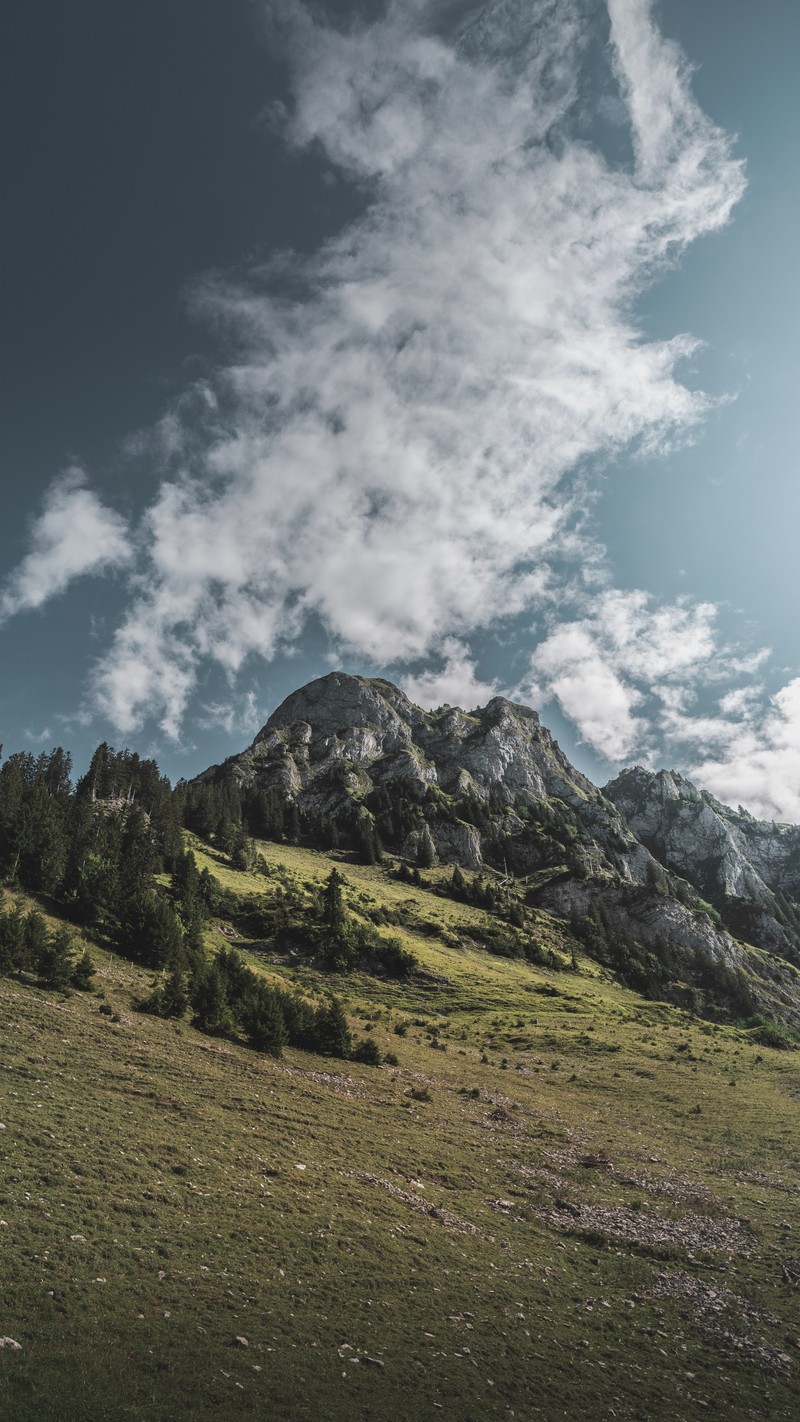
[443,342]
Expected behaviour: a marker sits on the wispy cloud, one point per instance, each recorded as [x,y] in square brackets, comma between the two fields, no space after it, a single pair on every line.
[455,683]
[623,666]
[74,535]
[750,754]
[403,442]
[391,451]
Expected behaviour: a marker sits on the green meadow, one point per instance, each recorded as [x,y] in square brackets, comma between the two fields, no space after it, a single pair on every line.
[562,1200]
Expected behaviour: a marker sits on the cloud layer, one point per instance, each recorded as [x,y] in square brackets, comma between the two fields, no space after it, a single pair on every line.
[74,535]
[391,450]
[401,446]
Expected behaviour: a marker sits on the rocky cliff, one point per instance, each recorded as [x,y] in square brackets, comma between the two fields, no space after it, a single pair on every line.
[353,757]
[748,869]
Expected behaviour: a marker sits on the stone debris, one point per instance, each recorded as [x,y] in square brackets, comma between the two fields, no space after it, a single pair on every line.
[241,1341]
[416,1202]
[671,1187]
[713,1310]
[791,1270]
[536,1172]
[12,1344]
[773,1182]
[343,1085]
[693,1233]
[502,1207]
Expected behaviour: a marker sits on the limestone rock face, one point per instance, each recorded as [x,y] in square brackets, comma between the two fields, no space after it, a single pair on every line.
[491,787]
[354,734]
[744,866]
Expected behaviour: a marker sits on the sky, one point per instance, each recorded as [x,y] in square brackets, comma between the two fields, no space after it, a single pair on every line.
[446,342]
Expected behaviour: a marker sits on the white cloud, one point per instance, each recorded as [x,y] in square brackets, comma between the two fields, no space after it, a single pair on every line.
[454,684]
[243,717]
[38,737]
[755,761]
[619,653]
[73,536]
[390,452]
[571,667]
[402,445]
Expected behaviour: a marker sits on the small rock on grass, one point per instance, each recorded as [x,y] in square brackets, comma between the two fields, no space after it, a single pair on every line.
[12,1344]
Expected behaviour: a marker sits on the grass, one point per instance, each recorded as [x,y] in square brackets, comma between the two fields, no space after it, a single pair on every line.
[449,1238]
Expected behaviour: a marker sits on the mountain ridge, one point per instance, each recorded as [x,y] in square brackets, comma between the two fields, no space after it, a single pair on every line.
[491,787]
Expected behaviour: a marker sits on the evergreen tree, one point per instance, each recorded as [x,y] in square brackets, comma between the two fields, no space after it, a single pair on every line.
[242,850]
[210,1002]
[35,941]
[291,821]
[426,850]
[332,1033]
[333,912]
[168,996]
[264,1021]
[149,930]
[56,965]
[83,972]
[12,938]
[368,1052]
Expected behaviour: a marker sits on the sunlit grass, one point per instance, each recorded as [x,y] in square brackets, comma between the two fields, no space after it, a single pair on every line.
[154,1206]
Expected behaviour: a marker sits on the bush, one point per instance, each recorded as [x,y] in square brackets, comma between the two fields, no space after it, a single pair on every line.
[367,1052]
[775,1034]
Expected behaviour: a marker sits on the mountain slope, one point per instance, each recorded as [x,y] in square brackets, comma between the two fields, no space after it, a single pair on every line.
[355,757]
[748,868]
[560,1201]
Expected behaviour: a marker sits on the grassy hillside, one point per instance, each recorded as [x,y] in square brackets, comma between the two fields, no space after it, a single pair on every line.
[562,1200]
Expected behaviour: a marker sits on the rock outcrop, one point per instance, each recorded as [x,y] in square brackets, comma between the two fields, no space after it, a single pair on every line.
[748,869]
[355,758]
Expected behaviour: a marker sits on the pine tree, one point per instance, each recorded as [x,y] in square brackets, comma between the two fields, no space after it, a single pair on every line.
[12,938]
[426,850]
[332,903]
[332,1033]
[83,972]
[35,941]
[264,1021]
[212,1012]
[56,965]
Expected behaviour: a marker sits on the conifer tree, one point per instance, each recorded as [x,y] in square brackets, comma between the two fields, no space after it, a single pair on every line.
[35,941]
[56,966]
[332,1032]
[83,972]
[12,937]
[264,1021]
[426,850]
[212,1012]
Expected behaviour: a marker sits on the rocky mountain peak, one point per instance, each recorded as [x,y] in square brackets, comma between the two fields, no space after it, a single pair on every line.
[749,869]
[339,702]
[352,761]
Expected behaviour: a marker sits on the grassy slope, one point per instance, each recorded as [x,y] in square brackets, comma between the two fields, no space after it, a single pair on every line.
[154,1206]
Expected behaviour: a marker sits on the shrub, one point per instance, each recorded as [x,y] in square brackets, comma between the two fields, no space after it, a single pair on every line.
[367,1052]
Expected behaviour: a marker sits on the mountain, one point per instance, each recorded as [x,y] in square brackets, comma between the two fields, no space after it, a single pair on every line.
[357,763]
[749,869]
